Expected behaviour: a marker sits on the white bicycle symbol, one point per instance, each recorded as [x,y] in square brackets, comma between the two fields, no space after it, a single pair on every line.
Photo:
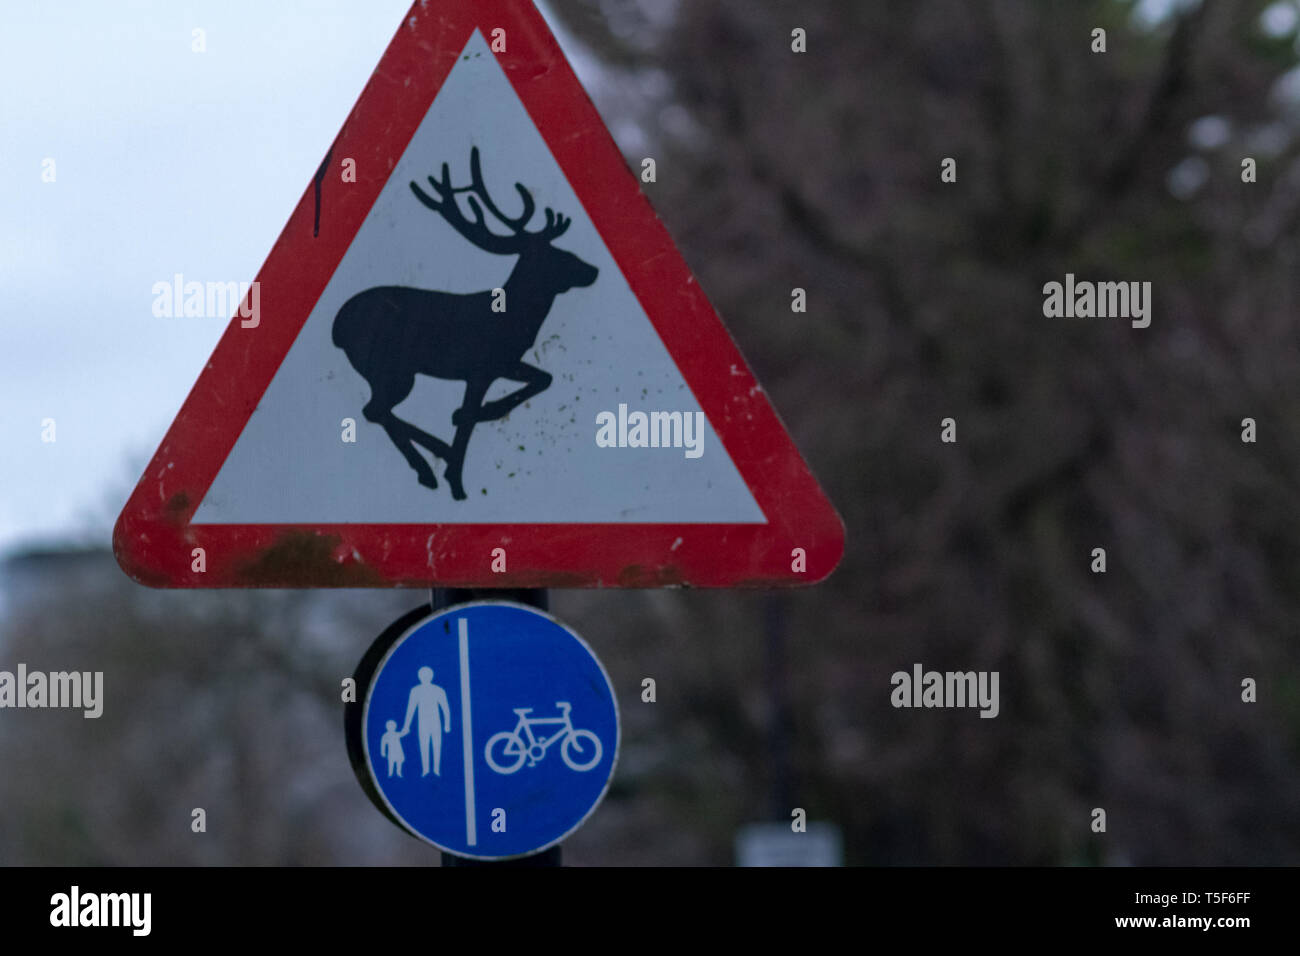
[505,752]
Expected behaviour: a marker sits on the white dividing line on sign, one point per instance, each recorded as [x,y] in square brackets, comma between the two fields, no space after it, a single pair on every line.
[467,734]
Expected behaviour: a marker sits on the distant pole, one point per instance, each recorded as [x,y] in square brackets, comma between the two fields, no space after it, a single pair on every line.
[779,730]
[440,598]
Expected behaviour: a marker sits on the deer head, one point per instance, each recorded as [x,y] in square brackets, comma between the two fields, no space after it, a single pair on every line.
[541,263]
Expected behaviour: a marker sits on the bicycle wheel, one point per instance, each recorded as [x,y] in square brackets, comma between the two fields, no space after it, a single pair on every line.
[581,750]
[511,750]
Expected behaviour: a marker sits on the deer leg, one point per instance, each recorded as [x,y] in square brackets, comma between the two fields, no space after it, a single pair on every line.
[406,436]
[536,381]
[436,445]
[474,392]
[403,434]
[400,434]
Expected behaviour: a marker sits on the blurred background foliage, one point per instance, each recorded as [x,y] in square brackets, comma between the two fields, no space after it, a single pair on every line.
[779,170]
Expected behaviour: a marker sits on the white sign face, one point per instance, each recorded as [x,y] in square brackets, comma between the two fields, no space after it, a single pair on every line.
[608,433]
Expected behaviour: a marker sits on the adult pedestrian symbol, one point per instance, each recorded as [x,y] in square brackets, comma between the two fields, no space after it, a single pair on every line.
[428,702]
[477,360]
[489,730]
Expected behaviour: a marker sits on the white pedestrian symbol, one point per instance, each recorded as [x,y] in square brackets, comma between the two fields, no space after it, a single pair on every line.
[505,751]
[427,703]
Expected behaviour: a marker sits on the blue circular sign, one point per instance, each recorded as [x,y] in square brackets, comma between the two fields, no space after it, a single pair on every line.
[490,730]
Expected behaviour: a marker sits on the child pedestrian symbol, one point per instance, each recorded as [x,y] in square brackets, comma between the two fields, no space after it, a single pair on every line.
[428,704]
[390,746]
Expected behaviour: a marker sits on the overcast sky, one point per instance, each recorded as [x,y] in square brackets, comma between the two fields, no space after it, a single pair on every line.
[165,161]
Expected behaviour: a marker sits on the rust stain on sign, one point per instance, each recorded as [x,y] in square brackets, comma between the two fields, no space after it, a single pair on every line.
[306,559]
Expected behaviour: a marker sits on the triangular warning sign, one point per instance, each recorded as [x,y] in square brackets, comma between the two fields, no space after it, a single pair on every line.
[475,358]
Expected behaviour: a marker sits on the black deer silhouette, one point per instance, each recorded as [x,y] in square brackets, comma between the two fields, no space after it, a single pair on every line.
[392,333]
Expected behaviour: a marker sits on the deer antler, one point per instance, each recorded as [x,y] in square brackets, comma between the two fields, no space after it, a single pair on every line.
[477,231]
[476,173]
[556,225]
